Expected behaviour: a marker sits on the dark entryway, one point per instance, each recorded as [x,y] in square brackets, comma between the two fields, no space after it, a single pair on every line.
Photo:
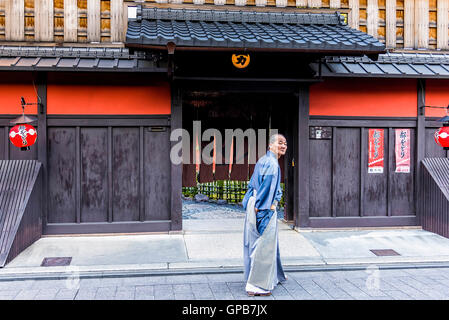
[229,109]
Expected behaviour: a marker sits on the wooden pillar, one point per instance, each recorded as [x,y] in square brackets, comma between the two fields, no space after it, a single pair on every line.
[409,24]
[420,139]
[15,20]
[421,24]
[43,20]
[314,3]
[302,162]
[117,21]
[372,10]
[390,21]
[442,24]
[41,84]
[354,14]
[93,21]
[335,4]
[176,170]
[301,3]
[70,20]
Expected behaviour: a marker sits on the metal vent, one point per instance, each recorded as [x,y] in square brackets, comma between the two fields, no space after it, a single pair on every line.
[56,261]
[384,252]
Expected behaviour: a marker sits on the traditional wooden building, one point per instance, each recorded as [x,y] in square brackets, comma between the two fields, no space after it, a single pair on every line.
[112,80]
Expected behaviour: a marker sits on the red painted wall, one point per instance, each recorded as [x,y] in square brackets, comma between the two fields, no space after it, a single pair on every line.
[10,94]
[437,94]
[108,99]
[364,97]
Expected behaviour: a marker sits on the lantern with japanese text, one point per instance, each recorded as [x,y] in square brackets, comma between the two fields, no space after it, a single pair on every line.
[23,134]
[442,136]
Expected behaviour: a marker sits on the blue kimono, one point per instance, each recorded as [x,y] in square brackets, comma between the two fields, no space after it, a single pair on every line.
[262,261]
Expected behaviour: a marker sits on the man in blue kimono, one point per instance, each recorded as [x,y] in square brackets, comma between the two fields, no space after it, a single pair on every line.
[263,268]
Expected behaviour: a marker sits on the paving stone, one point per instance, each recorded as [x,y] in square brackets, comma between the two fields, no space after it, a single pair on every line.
[106,293]
[145,290]
[194,278]
[182,288]
[16,285]
[398,295]
[225,277]
[337,293]
[202,291]
[125,293]
[46,294]
[412,292]
[66,294]
[163,292]
[114,281]
[86,293]
[8,294]
[27,294]
[90,282]
[53,284]
[184,296]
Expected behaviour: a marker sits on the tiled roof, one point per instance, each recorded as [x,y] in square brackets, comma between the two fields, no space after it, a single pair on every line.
[389,65]
[308,32]
[73,59]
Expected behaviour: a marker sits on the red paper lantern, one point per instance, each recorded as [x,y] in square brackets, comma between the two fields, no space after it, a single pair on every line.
[23,135]
[442,137]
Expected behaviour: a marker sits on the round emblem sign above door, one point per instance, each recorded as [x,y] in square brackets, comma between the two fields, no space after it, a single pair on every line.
[240,61]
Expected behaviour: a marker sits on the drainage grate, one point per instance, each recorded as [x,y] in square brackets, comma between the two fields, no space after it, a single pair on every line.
[56,261]
[384,252]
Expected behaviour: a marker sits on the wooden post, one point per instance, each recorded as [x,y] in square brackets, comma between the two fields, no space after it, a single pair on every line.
[15,20]
[43,20]
[301,3]
[335,4]
[372,17]
[176,170]
[422,24]
[354,15]
[93,21]
[41,83]
[117,23]
[442,24]
[70,20]
[409,20]
[390,21]
[420,138]
[302,163]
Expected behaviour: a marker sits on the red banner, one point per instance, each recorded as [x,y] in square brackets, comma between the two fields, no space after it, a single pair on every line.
[376,151]
[402,150]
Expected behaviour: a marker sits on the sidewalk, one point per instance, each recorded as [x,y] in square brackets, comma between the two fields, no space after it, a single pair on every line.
[215,245]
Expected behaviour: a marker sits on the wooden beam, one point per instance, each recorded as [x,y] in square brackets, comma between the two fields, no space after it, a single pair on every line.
[390,23]
[409,24]
[93,21]
[442,24]
[301,3]
[422,24]
[15,20]
[70,21]
[354,15]
[335,4]
[117,23]
[43,20]
[372,22]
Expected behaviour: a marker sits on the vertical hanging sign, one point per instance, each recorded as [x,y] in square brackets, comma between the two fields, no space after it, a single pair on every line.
[376,151]
[402,150]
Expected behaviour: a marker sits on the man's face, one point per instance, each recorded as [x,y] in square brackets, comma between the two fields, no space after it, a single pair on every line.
[279,147]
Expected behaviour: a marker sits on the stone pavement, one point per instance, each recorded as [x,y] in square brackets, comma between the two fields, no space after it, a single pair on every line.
[368,284]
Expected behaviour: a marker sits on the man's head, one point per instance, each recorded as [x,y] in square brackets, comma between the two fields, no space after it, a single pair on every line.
[277,144]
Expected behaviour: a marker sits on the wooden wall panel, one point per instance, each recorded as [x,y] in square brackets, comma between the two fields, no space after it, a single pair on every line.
[320,178]
[421,24]
[346,166]
[43,20]
[372,17]
[117,22]
[93,21]
[15,20]
[409,24]
[442,24]
[62,206]
[94,174]
[390,22]
[157,175]
[70,20]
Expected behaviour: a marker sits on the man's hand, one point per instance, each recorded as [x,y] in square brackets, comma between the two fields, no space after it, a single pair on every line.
[256,210]
[273,207]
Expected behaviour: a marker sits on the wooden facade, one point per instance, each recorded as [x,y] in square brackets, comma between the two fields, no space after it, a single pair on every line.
[400,24]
